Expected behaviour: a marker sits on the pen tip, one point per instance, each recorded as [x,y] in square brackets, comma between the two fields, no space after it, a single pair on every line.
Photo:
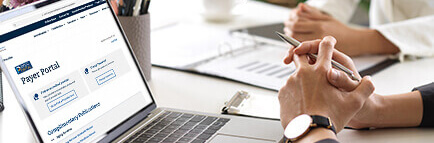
[279,34]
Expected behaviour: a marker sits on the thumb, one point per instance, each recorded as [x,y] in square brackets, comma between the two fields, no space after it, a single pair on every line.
[304,7]
[366,87]
[341,80]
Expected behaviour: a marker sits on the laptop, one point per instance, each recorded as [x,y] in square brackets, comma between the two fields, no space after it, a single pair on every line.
[77,80]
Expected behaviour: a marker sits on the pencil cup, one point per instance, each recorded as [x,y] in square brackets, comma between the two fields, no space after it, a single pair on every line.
[137,29]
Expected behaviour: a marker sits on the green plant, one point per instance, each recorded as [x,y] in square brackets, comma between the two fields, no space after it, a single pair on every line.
[365,4]
[301,1]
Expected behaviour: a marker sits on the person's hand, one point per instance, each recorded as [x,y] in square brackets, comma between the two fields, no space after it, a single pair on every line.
[308,23]
[368,113]
[341,80]
[305,12]
[308,91]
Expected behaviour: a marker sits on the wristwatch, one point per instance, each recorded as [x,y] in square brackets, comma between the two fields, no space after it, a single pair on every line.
[302,124]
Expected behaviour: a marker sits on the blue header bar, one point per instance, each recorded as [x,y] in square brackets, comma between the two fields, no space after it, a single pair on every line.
[50,20]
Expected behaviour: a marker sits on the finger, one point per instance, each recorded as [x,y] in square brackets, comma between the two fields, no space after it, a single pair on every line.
[303,26]
[366,87]
[304,36]
[304,8]
[341,80]
[312,47]
[293,16]
[299,36]
[312,16]
[308,47]
[345,61]
[325,51]
[300,60]
[287,31]
[298,19]
[309,12]
[290,54]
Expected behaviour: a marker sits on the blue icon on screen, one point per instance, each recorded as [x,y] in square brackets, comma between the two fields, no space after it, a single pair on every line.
[36,97]
[86,71]
[23,67]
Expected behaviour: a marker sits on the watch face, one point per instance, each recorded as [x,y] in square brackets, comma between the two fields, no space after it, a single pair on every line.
[298,126]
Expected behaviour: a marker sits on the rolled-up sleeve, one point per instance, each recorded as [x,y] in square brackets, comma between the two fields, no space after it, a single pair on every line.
[427,93]
[414,37]
[342,10]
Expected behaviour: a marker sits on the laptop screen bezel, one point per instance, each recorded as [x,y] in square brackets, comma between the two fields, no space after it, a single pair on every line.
[116,130]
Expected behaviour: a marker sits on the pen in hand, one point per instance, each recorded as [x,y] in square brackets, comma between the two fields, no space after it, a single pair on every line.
[335,64]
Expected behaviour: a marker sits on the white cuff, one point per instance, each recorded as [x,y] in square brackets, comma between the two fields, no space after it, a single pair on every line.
[413,37]
[342,10]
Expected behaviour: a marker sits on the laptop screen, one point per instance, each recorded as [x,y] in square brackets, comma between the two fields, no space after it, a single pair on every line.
[71,69]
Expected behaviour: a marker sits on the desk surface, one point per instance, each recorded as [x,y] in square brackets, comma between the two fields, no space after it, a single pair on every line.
[211,96]
[208,94]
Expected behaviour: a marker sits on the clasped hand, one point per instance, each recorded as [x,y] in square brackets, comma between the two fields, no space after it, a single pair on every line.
[312,88]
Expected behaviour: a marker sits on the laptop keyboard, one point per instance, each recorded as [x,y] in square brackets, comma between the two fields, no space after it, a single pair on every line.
[176,127]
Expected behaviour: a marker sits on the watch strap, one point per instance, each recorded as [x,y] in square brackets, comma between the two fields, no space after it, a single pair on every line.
[317,122]
[324,122]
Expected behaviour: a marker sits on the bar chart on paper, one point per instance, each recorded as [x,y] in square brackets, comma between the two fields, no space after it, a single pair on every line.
[262,67]
[268,69]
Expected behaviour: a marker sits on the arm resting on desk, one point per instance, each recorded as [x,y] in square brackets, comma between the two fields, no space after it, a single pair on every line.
[427,94]
[402,110]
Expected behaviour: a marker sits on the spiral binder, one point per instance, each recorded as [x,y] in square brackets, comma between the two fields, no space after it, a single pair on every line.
[241,44]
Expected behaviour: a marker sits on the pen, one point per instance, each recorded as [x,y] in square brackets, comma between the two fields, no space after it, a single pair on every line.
[137,7]
[142,10]
[145,7]
[129,5]
[335,64]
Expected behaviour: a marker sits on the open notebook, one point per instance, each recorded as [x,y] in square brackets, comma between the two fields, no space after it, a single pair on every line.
[238,55]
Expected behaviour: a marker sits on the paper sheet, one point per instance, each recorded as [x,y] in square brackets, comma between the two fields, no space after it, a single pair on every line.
[207,50]
[261,106]
[263,66]
[191,45]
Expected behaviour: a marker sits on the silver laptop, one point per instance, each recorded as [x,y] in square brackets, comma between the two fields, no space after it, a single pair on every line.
[77,80]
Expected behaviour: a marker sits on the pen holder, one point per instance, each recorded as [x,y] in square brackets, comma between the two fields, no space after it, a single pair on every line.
[137,29]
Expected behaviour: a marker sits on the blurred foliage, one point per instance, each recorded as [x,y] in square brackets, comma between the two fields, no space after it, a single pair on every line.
[365,4]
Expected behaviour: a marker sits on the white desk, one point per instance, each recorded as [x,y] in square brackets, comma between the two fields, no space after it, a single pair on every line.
[207,94]
[182,90]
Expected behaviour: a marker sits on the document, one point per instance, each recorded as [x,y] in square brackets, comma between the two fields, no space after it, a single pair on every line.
[237,56]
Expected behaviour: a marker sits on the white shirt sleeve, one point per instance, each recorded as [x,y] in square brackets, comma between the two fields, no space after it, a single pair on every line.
[342,10]
[414,37]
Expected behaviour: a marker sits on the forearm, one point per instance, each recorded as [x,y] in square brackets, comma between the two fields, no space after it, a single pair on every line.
[370,41]
[401,110]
